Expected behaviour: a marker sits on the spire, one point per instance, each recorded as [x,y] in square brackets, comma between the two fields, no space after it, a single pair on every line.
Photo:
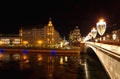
[50,19]
[50,22]
[76,27]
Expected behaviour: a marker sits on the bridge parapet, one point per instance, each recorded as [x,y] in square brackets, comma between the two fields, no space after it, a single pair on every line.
[112,48]
[109,55]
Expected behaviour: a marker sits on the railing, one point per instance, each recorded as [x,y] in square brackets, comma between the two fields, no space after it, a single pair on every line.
[109,56]
[112,48]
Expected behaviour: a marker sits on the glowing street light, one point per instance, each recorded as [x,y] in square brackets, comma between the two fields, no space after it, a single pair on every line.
[94,32]
[114,36]
[101,26]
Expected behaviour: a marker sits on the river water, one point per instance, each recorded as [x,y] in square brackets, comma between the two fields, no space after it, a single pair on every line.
[51,66]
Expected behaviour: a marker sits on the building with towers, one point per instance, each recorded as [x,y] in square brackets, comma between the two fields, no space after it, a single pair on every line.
[39,35]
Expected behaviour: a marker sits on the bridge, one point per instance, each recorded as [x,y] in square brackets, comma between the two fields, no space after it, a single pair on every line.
[109,55]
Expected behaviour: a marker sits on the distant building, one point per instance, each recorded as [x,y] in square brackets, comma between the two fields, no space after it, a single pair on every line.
[9,39]
[47,35]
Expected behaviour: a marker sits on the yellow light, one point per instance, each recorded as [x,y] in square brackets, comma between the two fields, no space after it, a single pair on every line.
[40,57]
[61,60]
[25,42]
[1,56]
[39,42]
[101,26]
[101,20]
[27,61]
[66,58]
[24,57]
[1,42]
[94,32]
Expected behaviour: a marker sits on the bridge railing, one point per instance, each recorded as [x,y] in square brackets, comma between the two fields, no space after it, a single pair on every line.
[109,56]
[112,48]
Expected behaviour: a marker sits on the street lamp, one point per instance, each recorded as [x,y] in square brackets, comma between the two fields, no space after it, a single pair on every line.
[114,36]
[94,32]
[101,26]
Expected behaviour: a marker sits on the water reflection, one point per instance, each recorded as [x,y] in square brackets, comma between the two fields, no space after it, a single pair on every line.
[1,57]
[50,66]
[61,60]
[46,66]
[16,57]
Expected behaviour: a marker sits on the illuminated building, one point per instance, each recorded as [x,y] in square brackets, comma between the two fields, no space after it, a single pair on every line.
[9,39]
[40,34]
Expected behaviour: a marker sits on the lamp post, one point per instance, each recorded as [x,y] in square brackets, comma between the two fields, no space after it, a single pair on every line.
[101,27]
[114,37]
[94,33]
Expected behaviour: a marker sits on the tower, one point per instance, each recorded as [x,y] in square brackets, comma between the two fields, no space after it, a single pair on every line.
[50,32]
[20,35]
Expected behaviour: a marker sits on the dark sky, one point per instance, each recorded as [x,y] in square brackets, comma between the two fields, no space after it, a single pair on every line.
[65,14]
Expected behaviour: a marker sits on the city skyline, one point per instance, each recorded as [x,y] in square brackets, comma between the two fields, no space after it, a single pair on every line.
[66,15]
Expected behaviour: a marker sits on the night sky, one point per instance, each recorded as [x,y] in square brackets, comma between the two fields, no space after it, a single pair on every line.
[65,14]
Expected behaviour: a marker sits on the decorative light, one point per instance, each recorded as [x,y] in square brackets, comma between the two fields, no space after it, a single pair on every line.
[101,27]
[114,36]
[94,32]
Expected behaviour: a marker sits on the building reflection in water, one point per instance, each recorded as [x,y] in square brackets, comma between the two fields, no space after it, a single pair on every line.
[84,64]
[1,56]
[6,57]
[16,57]
[50,66]
[24,63]
[46,66]
[61,60]
[39,59]
[66,58]
[86,70]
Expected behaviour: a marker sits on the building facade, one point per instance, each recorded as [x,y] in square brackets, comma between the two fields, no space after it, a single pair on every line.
[40,35]
[9,40]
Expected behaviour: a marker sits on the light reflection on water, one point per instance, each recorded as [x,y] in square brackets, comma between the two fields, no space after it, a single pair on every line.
[46,66]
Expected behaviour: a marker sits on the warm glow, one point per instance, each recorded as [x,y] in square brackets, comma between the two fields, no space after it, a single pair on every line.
[61,44]
[1,56]
[40,57]
[25,57]
[101,26]
[66,58]
[50,23]
[104,38]
[96,40]
[101,20]
[39,42]
[61,60]
[94,32]
[25,42]
[27,61]
[107,36]
[114,36]
[1,42]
